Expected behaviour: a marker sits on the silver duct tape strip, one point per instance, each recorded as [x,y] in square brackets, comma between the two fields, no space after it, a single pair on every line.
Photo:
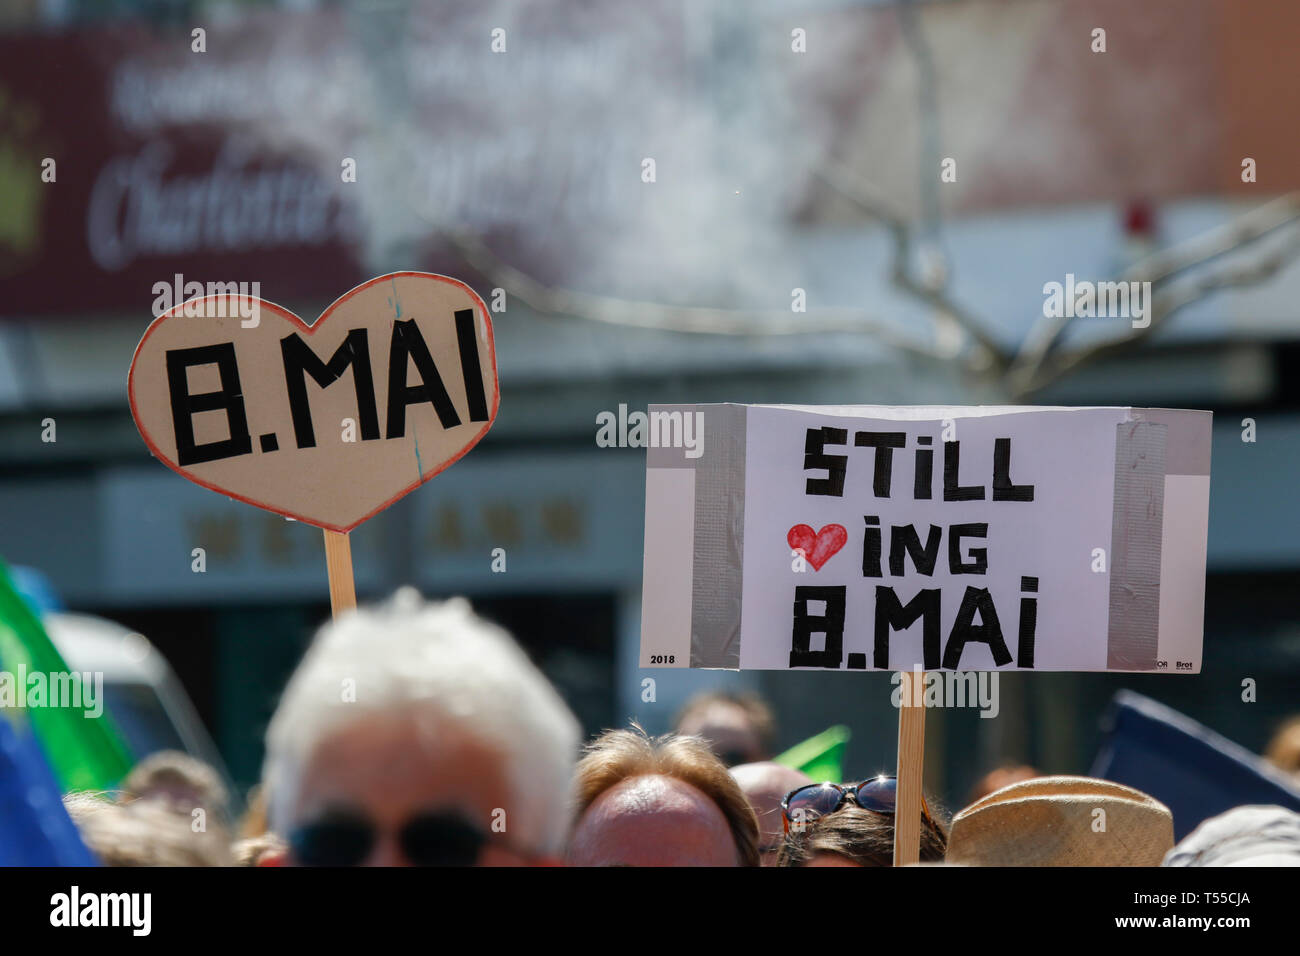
[1136,530]
[1187,443]
[719,539]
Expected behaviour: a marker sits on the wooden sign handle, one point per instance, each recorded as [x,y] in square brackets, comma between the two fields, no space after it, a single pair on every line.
[338,562]
[911,752]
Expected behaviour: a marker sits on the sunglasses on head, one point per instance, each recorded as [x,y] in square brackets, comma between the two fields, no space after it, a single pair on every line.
[428,839]
[804,804]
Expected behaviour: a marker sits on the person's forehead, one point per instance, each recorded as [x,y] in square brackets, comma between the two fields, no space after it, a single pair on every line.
[395,762]
[654,820]
[824,858]
[372,733]
[655,794]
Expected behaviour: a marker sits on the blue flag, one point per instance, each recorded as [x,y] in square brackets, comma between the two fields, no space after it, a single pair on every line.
[1192,770]
[35,829]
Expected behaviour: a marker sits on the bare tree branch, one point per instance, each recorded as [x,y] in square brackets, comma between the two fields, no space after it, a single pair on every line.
[1026,374]
[1164,304]
[870,202]
[670,318]
[1245,229]
[927,111]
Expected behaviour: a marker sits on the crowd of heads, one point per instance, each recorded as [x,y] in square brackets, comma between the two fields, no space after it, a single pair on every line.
[417,733]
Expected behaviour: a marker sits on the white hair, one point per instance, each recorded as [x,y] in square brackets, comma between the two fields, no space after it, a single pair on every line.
[459,671]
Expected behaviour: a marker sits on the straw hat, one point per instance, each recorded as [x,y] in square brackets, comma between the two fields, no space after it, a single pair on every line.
[1052,821]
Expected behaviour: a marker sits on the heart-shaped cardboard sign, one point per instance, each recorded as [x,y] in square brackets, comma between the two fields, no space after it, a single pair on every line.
[328,423]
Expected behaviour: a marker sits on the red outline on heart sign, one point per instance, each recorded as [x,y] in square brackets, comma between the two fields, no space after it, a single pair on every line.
[310,330]
[810,554]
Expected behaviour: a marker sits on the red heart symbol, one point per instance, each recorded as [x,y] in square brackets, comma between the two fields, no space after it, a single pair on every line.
[820,547]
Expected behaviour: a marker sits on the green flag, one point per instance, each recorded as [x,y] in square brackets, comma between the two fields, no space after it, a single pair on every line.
[85,752]
[820,757]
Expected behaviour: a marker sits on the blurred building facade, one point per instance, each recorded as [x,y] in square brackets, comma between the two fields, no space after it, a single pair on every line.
[524,171]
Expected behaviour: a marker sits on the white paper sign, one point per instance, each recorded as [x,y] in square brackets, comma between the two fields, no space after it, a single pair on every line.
[888,538]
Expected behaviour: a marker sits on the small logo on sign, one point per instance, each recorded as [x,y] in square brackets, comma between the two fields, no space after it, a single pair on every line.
[818,547]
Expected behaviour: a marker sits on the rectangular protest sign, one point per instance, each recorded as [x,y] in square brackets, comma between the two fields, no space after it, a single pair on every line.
[941,538]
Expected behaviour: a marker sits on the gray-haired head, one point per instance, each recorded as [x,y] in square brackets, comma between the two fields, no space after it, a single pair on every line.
[410,705]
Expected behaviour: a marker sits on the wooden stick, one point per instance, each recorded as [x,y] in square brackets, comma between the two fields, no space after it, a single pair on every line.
[911,753]
[338,562]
